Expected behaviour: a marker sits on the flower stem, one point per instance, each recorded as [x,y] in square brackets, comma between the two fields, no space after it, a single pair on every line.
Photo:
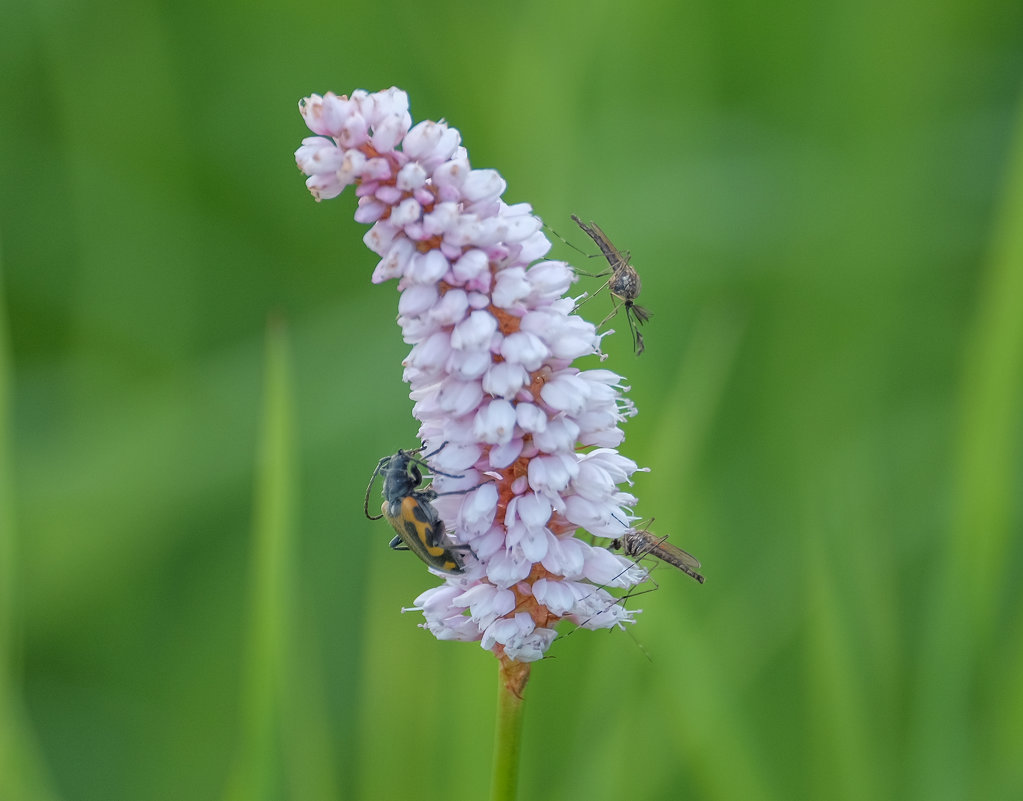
[508,740]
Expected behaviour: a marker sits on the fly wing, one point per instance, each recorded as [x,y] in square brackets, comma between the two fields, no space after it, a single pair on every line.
[642,542]
[611,253]
[683,560]
[683,557]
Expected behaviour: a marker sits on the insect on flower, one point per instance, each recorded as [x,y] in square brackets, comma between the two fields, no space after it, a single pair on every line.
[623,283]
[639,542]
[408,508]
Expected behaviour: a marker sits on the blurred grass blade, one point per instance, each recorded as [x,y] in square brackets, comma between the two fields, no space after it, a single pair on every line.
[23,774]
[284,738]
[737,768]
[309,754]
[990,468]
[844,761]
[971,581]
[695,397]
[992,409]
[257,772]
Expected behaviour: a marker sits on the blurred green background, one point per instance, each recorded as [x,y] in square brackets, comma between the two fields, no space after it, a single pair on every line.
[825,201]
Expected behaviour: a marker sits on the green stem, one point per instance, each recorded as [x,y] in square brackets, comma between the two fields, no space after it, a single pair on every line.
[508,739]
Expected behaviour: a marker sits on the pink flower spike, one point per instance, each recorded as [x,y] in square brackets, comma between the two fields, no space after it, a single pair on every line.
[523,442]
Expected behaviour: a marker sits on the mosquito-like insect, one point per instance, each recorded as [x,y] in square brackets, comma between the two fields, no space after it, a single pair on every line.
[623,282]
[639,542]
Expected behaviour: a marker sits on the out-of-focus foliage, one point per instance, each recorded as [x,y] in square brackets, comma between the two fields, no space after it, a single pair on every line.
[825,202]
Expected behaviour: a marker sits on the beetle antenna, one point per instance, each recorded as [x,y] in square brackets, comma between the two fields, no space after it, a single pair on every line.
[380,465]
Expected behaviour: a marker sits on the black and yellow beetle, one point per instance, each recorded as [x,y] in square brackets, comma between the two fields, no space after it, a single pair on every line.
[408,508]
